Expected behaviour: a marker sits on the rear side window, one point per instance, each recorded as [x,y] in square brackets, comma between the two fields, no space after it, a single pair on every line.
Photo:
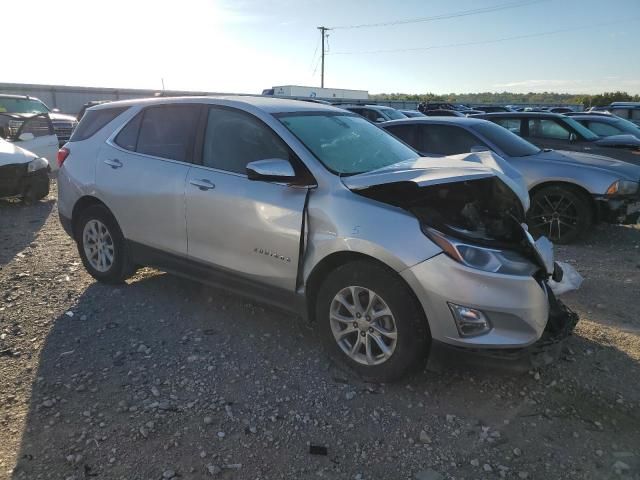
[94,120]
[233,139]
[168,131]
[128,136]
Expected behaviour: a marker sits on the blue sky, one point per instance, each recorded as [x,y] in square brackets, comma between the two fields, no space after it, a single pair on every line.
[247,45]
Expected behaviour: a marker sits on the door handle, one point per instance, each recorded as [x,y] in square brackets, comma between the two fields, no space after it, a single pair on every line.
[114,163]
[202,184]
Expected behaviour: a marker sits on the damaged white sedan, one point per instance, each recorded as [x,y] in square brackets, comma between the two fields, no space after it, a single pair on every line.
[22,173]
[316,210]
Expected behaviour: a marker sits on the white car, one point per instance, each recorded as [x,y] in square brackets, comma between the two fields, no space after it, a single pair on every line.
[22,173]
[34,133]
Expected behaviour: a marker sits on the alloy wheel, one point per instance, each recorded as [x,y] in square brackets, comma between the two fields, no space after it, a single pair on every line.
[98,245]
[363,325]
[554,215]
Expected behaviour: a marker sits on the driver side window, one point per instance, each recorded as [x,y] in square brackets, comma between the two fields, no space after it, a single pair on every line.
[602,129]
[542,128]
[233,139]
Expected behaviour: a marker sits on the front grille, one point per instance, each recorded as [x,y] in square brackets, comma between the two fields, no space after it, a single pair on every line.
[64,129]
[14,126]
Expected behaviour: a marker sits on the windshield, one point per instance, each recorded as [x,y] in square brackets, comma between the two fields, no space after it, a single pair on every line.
[394,114]
[346,144]
[22,105]
[581,129]
[507,141]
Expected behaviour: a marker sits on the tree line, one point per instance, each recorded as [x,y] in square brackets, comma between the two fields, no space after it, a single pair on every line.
[509,98]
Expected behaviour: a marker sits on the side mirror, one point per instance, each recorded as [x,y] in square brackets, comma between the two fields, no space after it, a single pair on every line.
[55,110]
[478,149]
[380,119]
[572,137]
[271,170]
[26,136]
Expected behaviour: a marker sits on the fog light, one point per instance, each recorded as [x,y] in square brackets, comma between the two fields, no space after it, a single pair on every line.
[469,321]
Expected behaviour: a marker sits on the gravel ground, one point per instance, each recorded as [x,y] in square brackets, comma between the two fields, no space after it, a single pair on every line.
[165,378]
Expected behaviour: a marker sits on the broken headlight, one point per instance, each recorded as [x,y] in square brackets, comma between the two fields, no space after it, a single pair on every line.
[622,187]
[486,259]
[37,164]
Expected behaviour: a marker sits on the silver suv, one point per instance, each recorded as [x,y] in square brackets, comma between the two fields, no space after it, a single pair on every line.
[313,209]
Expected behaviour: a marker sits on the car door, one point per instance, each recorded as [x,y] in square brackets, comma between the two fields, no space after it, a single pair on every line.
[247,229]
[36,135]
[141,173]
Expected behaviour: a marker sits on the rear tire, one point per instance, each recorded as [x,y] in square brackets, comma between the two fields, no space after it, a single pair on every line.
[560,213]
[370,321]
[101,245]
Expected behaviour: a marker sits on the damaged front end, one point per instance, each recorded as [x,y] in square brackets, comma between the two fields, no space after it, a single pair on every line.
[478,221]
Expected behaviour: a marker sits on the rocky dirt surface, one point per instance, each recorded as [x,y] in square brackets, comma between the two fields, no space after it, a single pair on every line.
[165,378]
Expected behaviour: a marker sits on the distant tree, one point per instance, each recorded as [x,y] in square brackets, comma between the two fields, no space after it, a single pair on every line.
[509,98]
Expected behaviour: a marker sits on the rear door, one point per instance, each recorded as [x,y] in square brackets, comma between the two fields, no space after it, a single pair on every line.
[41,138]
[249,229]
[141,173]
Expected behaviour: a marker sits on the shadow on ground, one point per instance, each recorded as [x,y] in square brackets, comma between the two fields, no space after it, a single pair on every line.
[166,375]
[19,225]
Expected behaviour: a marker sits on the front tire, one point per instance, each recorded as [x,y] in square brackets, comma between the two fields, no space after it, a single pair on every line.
[370,321]
[101,245]
[560,213]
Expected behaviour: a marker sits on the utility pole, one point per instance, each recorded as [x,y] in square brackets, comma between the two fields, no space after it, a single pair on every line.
[323,31]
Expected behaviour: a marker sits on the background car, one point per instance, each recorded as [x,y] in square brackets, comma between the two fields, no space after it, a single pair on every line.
[62,124]
[559,132]
[22,173]
[443,113]
[627,110]
[606,125]
[569,190]
[374,113]
[412,113]
[560,110]
[34,133]
[492,108]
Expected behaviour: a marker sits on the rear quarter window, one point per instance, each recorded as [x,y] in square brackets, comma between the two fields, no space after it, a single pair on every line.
[93,121]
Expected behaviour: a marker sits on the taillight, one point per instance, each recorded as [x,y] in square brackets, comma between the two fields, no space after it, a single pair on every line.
[63,153]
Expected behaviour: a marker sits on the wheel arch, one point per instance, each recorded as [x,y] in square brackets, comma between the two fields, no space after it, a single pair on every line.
[337,259]
[80,206]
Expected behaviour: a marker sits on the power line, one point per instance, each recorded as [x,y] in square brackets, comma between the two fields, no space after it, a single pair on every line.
[461,13]
[314,52]
[484,42]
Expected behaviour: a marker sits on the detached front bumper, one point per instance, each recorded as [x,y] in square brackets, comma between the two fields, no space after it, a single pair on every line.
[624,210]
[517,307]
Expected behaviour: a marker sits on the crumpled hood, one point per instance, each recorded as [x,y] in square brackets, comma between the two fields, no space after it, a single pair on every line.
[11,155]
[426,171]
[626,140]
[589,160]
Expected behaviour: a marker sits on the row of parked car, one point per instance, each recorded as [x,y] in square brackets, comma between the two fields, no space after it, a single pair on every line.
[576,166]
[579,168]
